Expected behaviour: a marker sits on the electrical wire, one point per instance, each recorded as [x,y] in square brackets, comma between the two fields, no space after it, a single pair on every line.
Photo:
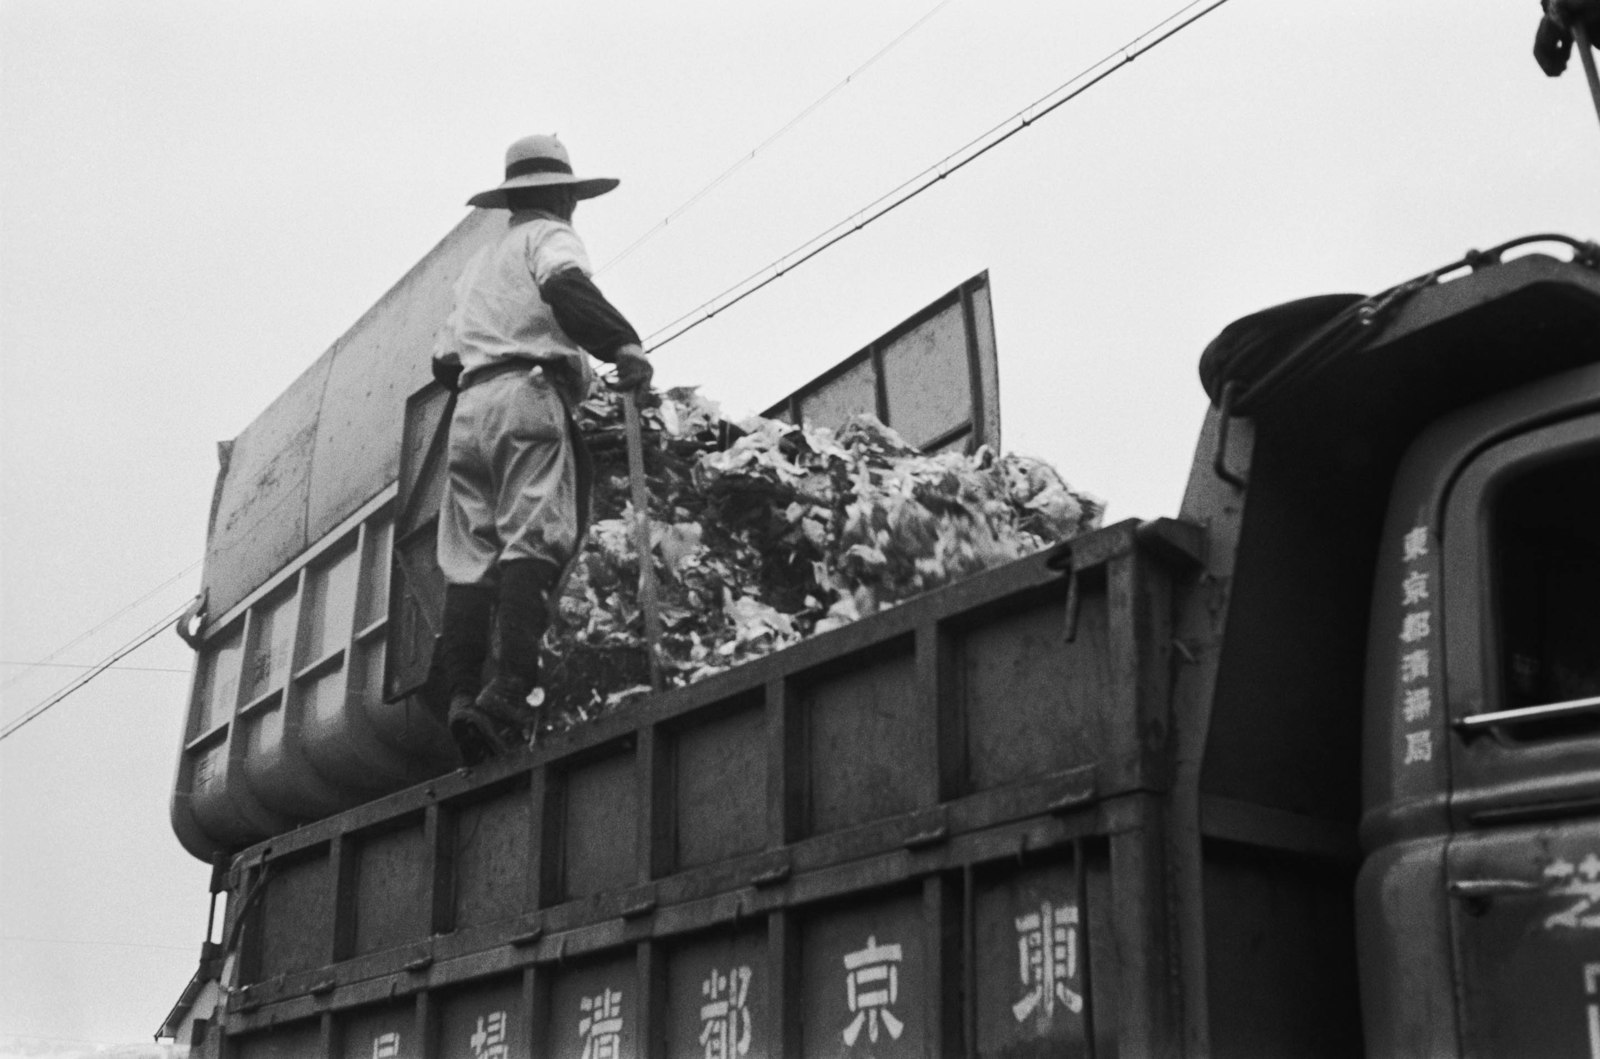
[53,655]
[133,645]
[774,137]
[73,665]
[916,185]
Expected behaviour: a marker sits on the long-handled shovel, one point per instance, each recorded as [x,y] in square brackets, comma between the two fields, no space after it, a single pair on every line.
[641,540]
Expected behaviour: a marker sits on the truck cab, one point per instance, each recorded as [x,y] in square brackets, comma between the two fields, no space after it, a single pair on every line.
[1417,493]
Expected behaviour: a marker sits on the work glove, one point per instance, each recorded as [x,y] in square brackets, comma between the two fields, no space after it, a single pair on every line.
[1552,43]
[447,375]
[633,369]
[1552,47]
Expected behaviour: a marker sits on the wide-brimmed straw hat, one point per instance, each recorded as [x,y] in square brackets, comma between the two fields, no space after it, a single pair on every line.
[540,162]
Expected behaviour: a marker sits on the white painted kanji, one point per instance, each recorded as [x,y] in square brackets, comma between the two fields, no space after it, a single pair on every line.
[1578,888]
[1415,544]
[1418,704]
[489,1040]
[1047,959]
[1414,666]
[205,769]
[1417,625]
[386,1046]
[872,985]
[1414,589]
[601,1024]
[725,1016]
[1419,747]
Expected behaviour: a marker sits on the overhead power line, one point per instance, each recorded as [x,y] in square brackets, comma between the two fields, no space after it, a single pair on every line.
[774,137]
[73,665]
[910,189]
[122,652]
[64,648]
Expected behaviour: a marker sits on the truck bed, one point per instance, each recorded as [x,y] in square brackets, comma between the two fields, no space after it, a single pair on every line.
[939,829]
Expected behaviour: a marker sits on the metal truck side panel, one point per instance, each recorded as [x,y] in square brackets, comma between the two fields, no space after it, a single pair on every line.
[290,697]
[291,1042]
[824,851]
[374,367]
[1408,1004]
[996,955]
[259,514]
[1527,950]
[1282,973]
[330,443]
[934,377]
[385,1031]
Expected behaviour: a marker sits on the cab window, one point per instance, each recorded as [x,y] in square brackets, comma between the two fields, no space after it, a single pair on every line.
[1546,533]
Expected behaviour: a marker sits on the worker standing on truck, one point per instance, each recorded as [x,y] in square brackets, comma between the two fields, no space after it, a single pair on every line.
[515,498]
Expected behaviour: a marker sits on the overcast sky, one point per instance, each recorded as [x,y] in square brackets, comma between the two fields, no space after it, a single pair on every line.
[197,199]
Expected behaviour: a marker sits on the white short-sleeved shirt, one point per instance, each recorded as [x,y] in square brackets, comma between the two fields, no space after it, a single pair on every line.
[500,313]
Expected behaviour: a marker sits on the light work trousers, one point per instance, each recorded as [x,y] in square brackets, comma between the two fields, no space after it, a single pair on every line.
[512,486]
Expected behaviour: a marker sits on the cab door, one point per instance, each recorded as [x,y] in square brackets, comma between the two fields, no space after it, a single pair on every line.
[1520,538]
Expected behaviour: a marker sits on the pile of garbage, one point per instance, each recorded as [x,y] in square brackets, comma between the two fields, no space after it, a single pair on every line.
[764,533]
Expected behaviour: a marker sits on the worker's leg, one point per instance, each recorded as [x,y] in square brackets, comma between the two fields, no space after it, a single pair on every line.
[467,546]
[536,467]
[523,435]
[464,638]
[469,542]
[524,614]
[538,522]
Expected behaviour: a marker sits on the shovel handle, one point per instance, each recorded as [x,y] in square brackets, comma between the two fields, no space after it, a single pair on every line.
[1586,55]
[641,539]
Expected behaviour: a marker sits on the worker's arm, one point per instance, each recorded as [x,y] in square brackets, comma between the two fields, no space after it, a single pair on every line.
[596,325]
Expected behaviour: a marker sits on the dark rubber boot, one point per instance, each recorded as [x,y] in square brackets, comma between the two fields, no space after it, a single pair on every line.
[501,717]
[523,616]
[463,649]
[478,734]
[464,640]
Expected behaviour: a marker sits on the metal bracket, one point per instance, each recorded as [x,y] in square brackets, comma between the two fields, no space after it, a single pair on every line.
[640,908]
[1482,722]
[1219,461]
[1074,607]
[1474,889]
[1063,559]
[1077,787]
[193,622]
[933,836]
[774,875]
[1477,895]
[527,937]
